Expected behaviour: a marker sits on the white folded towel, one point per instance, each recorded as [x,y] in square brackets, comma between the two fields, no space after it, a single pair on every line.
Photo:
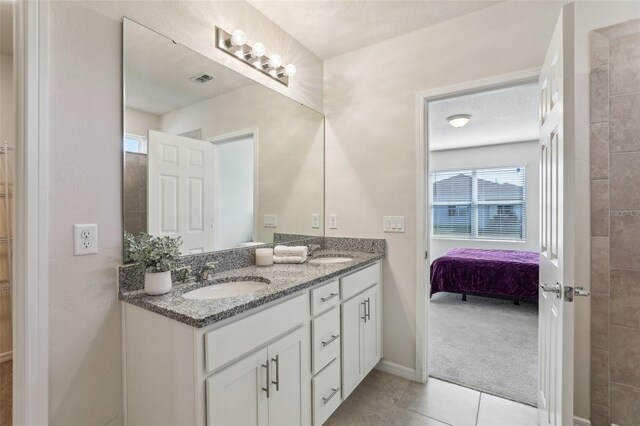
[289,259]
[291,251]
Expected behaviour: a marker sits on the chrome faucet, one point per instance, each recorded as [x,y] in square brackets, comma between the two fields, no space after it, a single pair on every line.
[207,269]
[312,248]
[186,273]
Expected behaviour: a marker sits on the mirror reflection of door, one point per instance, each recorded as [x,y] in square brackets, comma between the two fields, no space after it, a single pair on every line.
[234,192]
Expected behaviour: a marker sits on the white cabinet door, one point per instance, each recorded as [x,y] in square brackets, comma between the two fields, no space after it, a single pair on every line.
[352,324]
[371,330]
[289,394]
[237,395]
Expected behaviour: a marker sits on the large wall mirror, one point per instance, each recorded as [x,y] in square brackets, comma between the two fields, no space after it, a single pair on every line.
[211,155]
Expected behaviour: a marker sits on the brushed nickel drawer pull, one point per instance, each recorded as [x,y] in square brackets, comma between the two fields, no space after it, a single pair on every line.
[329,297]
[327,399]
[267,389]
[333,337]
[277,380]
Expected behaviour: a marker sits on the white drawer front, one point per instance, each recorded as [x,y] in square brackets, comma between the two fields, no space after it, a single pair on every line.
[326,392]
[238,338]
[326,339]
[358,281]
[325,297]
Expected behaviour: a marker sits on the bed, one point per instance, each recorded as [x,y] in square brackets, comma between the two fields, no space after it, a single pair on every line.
[494,273]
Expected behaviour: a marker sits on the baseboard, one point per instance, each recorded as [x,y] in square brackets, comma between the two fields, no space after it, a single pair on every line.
[396,369]
[6,356]
[579,421]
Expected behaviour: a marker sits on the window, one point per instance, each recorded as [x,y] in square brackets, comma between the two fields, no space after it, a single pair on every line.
[479,204]
[135,143]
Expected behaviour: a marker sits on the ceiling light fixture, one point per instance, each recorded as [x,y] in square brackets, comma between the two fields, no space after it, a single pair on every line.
[459,120]
[236,45]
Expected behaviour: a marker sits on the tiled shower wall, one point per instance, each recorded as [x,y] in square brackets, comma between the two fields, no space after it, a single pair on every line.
[135,192]
[615,224]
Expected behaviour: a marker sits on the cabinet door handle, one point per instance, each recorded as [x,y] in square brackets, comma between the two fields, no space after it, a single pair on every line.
[364,304]
[277,380]
[333,337]
[329,297]
[368,312]
[266,365]
[327,399]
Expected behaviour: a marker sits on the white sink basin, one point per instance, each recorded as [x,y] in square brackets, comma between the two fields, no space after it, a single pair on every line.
[228,289]
[329,260]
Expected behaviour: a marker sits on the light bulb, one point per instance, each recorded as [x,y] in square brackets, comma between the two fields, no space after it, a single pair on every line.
[238,38]
[275,61]
[258,50]
[459,120]
[290,70]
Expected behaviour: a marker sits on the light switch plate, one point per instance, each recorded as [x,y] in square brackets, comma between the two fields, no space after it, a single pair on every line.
[333,221]
[85,239]
[315,221]
[270,220]
[393,224]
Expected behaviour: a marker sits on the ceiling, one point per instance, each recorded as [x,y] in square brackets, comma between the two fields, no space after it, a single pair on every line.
[157,73]
[6,27]
[332,27]
[497,116]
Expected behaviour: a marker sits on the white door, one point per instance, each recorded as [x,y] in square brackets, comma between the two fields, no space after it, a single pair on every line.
[353,312]
[234,200]
[289,396]
[371,330]
[237,395]
[181,190]
[555,399]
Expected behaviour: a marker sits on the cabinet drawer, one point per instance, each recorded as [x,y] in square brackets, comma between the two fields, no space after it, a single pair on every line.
[326,393]
[326,339]
[359,281]
[238,338]
[325,297]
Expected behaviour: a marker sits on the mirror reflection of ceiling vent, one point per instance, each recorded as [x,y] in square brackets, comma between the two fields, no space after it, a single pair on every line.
[202,78]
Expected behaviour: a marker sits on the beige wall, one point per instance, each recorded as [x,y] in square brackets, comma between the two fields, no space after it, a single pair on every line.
[512,154]
[290,152]
[371,130]
[7,134]
[139,122]
[85,79]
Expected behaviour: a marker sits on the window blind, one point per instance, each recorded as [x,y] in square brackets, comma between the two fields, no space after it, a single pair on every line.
[479,204]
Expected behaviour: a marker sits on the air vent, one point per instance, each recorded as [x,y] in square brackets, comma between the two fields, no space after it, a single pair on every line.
[202,78]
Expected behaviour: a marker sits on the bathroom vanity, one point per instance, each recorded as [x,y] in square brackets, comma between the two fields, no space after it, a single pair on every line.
[292,358]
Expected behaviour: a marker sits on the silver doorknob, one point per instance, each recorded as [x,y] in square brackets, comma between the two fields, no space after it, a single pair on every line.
[552,289]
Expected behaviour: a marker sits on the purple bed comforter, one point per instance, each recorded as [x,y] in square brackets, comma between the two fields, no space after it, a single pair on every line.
[499,273]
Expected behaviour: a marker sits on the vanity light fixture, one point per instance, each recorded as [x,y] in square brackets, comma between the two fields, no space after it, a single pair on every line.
[236,45]
[459,120]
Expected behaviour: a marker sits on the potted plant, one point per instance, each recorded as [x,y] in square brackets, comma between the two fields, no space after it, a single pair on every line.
[158,255]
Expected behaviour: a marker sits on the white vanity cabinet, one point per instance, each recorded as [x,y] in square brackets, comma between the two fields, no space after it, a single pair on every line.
[361,327]
[289,362]
[268,387]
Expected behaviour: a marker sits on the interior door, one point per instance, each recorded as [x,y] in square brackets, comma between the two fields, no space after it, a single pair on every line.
[237,395]
[289,397]
[181,190]
[555,398]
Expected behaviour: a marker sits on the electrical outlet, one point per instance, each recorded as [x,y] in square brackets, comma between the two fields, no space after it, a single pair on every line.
[315,221]
[85,239]
[270,220]
[333,221]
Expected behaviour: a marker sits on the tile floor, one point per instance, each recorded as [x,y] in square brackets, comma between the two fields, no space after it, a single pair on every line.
[384,399]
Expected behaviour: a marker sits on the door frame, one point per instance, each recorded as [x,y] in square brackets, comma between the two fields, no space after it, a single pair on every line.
[229,137]
[31,213]
[422,241]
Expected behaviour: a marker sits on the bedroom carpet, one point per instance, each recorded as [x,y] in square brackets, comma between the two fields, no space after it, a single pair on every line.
[486,344]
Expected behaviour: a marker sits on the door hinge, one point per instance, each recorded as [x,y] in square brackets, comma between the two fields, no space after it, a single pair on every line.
[571,292]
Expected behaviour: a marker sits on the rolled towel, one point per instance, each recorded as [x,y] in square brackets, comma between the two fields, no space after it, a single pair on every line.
[289,259]
[291,251]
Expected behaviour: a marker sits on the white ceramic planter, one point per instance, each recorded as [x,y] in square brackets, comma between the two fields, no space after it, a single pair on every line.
[156,283]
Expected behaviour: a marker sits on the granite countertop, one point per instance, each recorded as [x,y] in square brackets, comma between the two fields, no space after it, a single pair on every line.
[284,280]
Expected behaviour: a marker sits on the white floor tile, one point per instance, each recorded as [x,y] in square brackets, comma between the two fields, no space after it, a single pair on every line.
[446,402]
[496,411]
